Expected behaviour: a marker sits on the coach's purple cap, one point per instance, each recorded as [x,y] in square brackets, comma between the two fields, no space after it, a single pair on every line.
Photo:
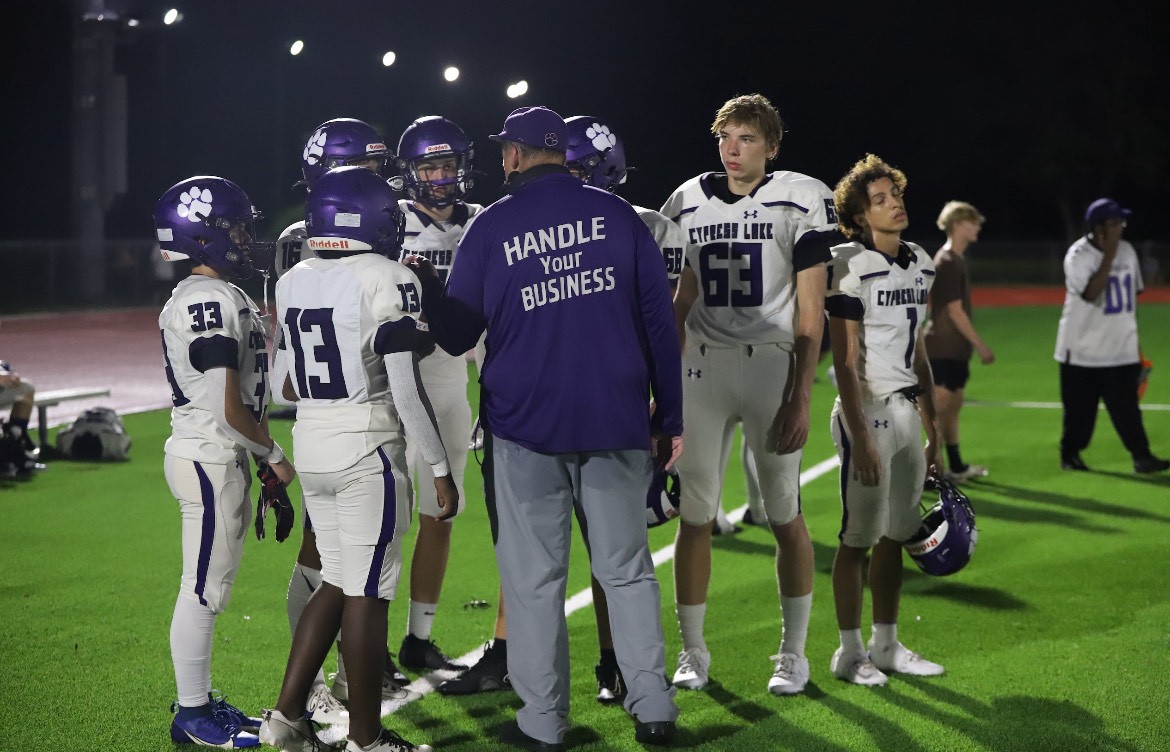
[539,127]
[1104,209]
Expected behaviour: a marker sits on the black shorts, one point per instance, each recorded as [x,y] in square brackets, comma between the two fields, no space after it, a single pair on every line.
[950,373]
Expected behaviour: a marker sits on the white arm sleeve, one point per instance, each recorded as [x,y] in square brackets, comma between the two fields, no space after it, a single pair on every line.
[280,371]
[216,387]
[415,410]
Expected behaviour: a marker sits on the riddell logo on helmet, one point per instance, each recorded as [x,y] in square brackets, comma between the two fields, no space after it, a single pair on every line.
[917,549]
[375,147]
[437,147]
[328,244]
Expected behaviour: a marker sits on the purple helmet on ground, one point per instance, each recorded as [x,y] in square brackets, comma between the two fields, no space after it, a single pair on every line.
[352,209]
[945,542]
[595,153]
[663,498]
[211,221]
[435,137]
[339,142]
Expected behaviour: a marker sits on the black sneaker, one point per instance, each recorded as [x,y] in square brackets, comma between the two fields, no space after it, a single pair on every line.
[1150,464]
[611,687]
[1074,462]
[489,674]
[513,736]
[654,732]
[395,673]
[424,655]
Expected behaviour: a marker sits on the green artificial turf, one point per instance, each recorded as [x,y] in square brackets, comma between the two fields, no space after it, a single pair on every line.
[1054,638]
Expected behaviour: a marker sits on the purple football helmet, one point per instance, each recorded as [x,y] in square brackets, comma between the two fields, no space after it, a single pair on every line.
[353,209]
[211,221]
[434,137]
[339,142]
[595,153]
[663,498]
[945,542]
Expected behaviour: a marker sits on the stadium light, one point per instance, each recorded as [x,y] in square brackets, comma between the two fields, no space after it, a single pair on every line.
[172,16]
[451,73]
[296,48]
[518,89]
[388,59]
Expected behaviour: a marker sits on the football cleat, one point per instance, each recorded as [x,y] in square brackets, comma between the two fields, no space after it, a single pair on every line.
[220,705]
[760,519]
[694,666]
[489,674]
[856,668]
[1072,462]
[611,687]
[790,676]
[394,695]
[724,526]
[966,474]
[654,732]
[899,659]
[211,730]
[424,655]
[323,707]
[388,741]
[290,736]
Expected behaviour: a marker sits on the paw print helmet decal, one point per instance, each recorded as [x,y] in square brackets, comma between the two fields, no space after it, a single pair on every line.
[351,209]
[437,138]
[211,221]
[595,153]
[338,142]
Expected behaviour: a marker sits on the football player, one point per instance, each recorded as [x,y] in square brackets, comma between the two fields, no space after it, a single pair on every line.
[434,158]
[350,332]
[216,360]
[877,300]
[749,310]
[334,143]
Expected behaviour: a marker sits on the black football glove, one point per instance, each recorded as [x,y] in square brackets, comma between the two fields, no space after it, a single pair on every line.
[273,495]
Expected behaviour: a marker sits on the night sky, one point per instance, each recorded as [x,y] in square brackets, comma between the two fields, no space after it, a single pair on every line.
[1028,114]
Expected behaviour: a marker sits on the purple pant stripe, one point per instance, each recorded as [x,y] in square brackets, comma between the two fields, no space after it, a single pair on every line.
[386,535]
[208,536]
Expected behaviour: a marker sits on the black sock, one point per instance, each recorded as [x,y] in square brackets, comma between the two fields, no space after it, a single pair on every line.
[954,459]
[608,657]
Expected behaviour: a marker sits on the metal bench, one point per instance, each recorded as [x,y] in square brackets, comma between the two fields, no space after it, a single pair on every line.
[53,397]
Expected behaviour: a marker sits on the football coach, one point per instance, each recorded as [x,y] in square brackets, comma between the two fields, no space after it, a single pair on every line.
[568,284]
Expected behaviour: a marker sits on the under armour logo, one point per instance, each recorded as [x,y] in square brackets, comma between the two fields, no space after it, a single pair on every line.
[918,281]
[881,423]
[751,214]
[694,373]
[550,139]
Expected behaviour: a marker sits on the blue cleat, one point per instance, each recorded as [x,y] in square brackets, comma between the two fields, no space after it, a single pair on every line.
[215,729]
[220,706]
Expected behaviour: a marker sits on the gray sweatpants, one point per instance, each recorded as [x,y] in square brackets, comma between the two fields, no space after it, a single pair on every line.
[535,495]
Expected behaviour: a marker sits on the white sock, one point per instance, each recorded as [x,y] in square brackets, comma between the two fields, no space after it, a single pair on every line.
[885,636]
[795,613]
[301,586]
[851,641]
[690,625]
[420,619]
[191,629]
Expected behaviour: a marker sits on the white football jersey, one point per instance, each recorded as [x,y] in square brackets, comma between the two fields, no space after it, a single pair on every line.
[437,242]
[669,237]
[1102,332]
[291,248]
[338,318]
[210,323]
[888,298]
[746,252]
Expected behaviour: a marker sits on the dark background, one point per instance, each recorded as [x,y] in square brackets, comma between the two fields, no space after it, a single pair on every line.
[1027,113]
